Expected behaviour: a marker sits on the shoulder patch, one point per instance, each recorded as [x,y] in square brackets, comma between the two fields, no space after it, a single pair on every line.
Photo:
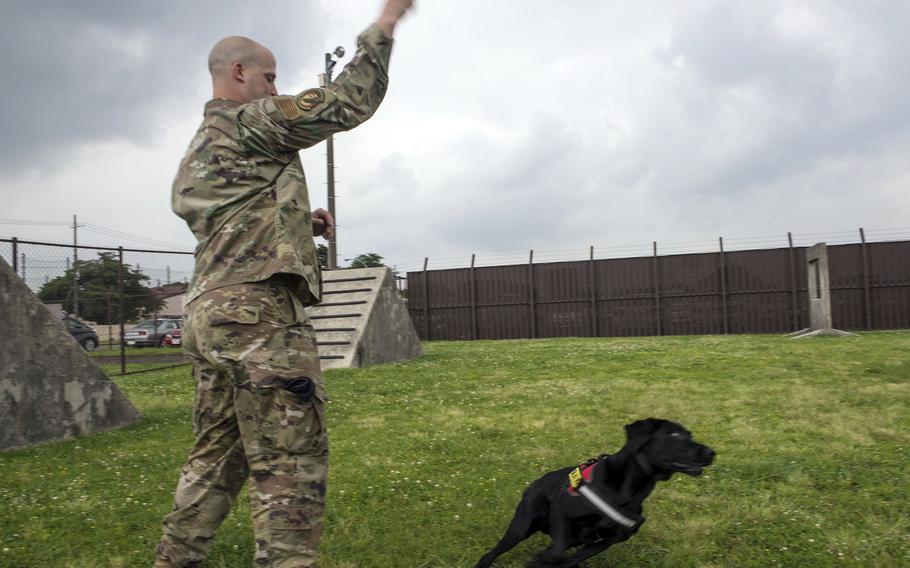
[287,108]
[308,99]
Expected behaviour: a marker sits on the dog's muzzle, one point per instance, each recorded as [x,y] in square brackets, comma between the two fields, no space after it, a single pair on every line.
[696,468]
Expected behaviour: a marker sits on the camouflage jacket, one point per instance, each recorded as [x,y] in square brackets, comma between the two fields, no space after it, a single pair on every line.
[241,187]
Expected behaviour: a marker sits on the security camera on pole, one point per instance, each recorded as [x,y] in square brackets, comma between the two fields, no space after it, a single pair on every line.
[324,80]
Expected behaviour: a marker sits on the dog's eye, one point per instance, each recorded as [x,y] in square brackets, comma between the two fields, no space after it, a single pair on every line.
[676,435]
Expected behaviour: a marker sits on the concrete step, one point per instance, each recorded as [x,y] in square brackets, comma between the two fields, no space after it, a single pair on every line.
[330,337]
[362,320]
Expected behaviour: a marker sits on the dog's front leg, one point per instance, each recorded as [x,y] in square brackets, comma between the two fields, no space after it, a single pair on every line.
[520,528]
[554,555]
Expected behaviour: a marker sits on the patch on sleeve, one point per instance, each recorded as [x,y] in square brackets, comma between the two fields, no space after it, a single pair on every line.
[287,107]
[308,99]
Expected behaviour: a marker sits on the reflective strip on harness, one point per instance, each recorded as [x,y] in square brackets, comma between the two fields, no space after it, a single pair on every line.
[580,475]
[605,507]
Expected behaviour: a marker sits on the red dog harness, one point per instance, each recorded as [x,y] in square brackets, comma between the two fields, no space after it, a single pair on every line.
[579,478]
[579,475]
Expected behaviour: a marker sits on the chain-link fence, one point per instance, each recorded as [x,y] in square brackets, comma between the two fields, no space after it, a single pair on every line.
[122,304]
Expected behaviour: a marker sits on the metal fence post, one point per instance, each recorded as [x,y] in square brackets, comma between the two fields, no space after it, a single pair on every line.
[120,310]
[723,286]
[593,293]
[657,293]
[15,254]
[867,298]
[793,304]
[531,294]
[426,299]
[473,300]
[110,330]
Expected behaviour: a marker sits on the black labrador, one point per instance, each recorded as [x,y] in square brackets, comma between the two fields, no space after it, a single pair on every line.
[599,503]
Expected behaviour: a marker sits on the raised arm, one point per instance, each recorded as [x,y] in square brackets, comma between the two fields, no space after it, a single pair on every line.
[284,123]
[392,12]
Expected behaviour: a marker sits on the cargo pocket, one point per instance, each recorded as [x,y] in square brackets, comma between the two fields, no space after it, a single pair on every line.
[244,314]
[232,332]
[292,426]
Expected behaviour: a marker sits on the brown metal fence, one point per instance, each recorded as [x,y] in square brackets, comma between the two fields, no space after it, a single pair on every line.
[746,291]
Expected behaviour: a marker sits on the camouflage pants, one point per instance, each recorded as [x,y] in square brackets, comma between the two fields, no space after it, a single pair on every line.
[247,341]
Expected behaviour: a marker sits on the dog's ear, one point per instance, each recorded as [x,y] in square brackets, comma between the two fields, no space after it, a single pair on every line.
[638,432]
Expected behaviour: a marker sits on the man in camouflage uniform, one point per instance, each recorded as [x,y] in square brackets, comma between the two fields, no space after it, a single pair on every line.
[259,409]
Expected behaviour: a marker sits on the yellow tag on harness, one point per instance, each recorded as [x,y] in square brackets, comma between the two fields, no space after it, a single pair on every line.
[575,478]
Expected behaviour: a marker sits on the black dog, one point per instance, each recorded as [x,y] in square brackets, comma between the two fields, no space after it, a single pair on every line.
[598,504]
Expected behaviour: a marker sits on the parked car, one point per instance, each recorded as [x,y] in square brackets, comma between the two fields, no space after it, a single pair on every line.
[145,334]
[82,333]
[174,338]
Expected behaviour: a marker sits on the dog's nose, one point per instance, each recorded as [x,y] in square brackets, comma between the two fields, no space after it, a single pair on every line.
[709,453]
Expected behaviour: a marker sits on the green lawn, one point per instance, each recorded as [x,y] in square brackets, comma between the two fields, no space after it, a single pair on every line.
[429,458]
[114,351]
[138,359]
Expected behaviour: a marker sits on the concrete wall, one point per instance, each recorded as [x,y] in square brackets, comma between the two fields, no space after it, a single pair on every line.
[362,321]
[389,335]
[49,387]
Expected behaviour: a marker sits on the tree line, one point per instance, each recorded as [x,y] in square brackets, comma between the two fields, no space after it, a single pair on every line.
[99,287]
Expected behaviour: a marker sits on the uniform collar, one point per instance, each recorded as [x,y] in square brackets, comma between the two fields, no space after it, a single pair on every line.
[221,103]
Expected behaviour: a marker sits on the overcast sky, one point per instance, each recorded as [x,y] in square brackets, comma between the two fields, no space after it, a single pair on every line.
[508,126]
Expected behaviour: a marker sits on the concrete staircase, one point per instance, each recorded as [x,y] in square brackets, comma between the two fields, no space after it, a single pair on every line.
[362,320]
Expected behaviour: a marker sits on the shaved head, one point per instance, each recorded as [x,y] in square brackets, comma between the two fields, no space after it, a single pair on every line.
[235,49]
[242,69]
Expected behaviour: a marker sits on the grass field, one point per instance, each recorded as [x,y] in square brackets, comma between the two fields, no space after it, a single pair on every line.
[114,351]
[138,359]
[429,457]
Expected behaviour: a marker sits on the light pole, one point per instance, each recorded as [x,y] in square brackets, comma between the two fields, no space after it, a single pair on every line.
[325,80]
[75,269]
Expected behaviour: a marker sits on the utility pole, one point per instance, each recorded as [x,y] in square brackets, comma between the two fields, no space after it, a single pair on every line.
[75,270]
[325,80]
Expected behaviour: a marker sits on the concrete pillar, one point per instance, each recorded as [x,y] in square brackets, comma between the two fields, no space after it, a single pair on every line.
[819,287]
[819,294]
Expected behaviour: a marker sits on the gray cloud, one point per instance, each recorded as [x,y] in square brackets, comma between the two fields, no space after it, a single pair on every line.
[77,72]
[769,102]
[603,123]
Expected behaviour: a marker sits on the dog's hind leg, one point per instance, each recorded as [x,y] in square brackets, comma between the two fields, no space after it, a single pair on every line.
[526,522]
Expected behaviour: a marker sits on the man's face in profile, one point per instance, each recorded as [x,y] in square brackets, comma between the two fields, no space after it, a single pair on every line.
[260,77]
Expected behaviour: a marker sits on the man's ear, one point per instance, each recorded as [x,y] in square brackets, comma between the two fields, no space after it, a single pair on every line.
[638,432]
[238,72]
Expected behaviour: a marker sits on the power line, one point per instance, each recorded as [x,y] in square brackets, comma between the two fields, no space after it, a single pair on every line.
[33,222]
[106,231]
[98,229]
